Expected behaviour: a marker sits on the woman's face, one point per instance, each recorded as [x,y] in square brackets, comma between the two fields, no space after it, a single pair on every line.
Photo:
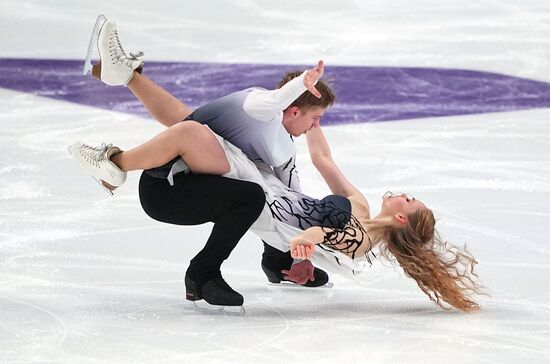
[400,203]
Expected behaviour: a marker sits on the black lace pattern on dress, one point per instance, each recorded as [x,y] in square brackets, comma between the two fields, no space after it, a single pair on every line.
[343,232]
[347,239]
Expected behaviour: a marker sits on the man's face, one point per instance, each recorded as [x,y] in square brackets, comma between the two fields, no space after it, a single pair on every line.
[298,121]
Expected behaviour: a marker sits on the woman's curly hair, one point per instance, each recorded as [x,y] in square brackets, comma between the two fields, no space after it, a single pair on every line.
[443,271]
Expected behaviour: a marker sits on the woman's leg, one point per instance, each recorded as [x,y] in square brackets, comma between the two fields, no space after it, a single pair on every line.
[162,105]
[194,142]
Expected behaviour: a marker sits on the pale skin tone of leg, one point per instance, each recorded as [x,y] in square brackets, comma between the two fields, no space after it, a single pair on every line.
[194,142]
[162,105]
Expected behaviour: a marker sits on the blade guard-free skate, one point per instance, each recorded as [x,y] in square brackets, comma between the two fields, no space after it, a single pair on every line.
[93,41]
[292,285]
[204,307]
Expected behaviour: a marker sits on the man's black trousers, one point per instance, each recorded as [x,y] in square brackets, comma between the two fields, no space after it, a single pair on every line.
[232,205]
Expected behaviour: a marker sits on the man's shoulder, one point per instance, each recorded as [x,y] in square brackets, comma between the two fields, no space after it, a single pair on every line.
[244,93]
[254,90]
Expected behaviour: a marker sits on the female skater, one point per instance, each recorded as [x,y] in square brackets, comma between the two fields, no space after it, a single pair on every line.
[404,229]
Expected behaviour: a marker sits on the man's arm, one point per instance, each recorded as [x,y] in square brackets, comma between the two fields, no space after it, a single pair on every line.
[321,157]
[264,105]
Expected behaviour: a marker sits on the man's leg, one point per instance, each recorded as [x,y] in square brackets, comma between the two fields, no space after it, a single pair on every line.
[273,261]
[231,204]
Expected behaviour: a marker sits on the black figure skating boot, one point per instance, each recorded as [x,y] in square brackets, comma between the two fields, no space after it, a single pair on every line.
[215,292]
[275,276]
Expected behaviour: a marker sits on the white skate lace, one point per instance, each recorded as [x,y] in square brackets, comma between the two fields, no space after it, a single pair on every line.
[117,52]
[95,155]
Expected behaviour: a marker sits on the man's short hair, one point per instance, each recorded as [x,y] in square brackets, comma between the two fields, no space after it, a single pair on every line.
[307,99]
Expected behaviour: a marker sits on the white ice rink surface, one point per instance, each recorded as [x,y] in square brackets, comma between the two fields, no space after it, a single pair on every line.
[87,279]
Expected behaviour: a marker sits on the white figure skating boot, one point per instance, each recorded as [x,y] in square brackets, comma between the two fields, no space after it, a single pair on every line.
[116,68]
[97,162]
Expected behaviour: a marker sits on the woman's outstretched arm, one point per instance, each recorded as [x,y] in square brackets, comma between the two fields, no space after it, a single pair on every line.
[351,241]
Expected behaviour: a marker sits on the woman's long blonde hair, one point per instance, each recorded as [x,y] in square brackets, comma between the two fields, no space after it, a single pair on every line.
[442,271]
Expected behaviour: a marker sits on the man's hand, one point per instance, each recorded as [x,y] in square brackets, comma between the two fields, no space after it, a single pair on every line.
[312,76]
[300,273]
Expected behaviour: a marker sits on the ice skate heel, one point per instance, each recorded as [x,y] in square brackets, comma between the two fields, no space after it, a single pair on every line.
[272,277]
[109,189]
[192,293]
[96,70]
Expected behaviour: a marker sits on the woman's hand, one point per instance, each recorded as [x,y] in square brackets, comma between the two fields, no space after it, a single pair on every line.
[301,248]
[300,273]
[312,76]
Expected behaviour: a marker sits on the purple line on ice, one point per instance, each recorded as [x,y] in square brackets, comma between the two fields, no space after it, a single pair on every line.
[364,94]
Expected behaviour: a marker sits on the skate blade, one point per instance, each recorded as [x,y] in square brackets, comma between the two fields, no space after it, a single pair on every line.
[290,285]
[103,186]
[93,41]
[206,308]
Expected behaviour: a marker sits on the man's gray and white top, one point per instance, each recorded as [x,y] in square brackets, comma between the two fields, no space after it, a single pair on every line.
[251,120]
